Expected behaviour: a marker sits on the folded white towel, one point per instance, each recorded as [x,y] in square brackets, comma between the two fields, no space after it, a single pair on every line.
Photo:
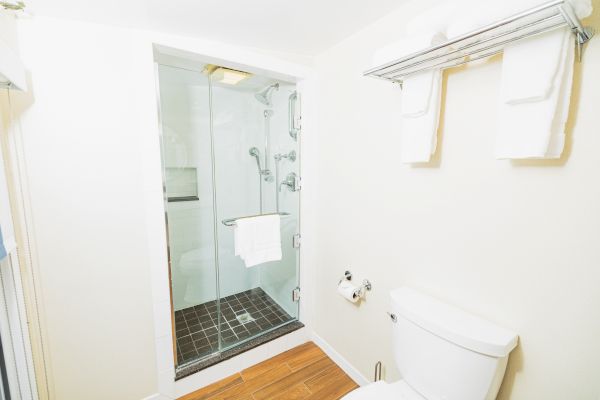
[529,67]
[419,133]
[536,129]
[420,97]
[258,239]
[475,14]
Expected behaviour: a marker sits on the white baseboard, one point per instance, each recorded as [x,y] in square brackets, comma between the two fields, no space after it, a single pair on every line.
[339,360]
[157,396]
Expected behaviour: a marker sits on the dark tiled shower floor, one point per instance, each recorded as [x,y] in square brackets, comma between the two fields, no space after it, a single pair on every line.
[196,327]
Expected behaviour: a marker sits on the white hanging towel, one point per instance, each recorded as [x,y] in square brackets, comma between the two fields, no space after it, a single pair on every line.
[537,76]
[419,131]
[258,239]
[421,95]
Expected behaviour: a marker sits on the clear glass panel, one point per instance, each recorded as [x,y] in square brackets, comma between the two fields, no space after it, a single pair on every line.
[187,164]
[211,132]
[257,299]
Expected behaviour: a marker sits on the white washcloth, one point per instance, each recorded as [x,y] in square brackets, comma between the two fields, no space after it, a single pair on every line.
[419,133]
[535,129]
[258,239]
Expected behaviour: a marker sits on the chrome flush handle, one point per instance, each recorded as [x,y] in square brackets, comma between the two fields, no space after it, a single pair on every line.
[393,317]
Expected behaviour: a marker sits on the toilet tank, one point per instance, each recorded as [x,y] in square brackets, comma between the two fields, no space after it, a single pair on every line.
[445,353]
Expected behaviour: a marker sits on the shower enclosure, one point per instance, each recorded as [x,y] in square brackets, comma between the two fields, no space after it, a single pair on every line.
[229,151]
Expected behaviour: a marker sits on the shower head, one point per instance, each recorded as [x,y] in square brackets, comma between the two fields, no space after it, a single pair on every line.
[264,96]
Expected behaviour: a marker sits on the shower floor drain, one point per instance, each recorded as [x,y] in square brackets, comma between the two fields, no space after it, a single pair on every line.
[244,318]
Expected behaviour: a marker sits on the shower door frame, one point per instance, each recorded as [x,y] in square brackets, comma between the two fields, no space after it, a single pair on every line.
[152,46]
[300,309]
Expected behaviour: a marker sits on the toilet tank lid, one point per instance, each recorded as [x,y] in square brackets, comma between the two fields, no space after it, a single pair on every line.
[453,324]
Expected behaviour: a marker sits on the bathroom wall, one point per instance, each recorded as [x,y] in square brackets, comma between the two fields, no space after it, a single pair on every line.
[81,147]
[90,147]
[514,242]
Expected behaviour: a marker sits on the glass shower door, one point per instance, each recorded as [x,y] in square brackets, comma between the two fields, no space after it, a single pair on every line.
[254,154]
[226,153]
[187,176]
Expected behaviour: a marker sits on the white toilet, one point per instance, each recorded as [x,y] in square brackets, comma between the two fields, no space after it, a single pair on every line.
[442,353]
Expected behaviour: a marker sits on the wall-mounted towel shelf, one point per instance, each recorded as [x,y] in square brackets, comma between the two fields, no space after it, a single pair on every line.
[487,41]
[231,221]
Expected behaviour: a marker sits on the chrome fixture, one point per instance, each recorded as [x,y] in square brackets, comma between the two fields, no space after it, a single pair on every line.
[360,290]
[293,123]
[347,277]
[254,152]
[231,221]
[266,172]
[278,157]
[487,41]
[264,96]
[292,181]
[290,156]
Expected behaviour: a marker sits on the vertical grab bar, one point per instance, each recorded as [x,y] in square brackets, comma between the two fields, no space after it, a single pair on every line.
[292,100]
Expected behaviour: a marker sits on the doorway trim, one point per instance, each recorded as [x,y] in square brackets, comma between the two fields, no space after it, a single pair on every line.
[151,46]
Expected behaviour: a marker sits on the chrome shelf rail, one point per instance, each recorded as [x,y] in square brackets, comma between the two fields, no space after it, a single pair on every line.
[487,41]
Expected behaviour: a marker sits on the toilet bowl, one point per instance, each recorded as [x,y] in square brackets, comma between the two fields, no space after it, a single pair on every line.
[442,353]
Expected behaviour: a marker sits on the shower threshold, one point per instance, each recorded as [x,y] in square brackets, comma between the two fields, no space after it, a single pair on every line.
[248,319]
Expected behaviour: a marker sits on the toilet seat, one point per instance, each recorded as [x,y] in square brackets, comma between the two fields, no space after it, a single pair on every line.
[384,391]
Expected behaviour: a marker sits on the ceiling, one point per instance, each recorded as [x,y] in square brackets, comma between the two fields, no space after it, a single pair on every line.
[303,27]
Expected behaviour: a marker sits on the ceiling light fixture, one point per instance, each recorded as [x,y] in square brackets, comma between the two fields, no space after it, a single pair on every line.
[226,75]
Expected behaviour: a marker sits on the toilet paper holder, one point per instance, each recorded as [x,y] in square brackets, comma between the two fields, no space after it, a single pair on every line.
[360,290]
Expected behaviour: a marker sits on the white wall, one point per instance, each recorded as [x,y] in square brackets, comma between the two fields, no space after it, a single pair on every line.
[82,149]
[516,243]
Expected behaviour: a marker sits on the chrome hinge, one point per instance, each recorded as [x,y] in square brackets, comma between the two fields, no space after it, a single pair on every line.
[296,295]
[296,241]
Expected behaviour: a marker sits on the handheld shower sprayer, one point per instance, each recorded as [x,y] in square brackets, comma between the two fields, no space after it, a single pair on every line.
[254,152]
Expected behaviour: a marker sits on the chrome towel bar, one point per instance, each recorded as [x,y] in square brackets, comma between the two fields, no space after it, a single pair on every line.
[231,221]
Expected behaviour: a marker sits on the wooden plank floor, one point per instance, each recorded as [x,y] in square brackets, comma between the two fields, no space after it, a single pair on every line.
[304,372]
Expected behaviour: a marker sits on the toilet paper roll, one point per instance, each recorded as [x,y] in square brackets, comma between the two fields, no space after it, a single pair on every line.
[348,291]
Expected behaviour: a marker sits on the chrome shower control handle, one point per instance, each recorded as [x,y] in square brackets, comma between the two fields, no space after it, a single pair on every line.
[291,181]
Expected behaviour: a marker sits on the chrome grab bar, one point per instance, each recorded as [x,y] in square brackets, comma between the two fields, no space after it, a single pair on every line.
[292,100]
